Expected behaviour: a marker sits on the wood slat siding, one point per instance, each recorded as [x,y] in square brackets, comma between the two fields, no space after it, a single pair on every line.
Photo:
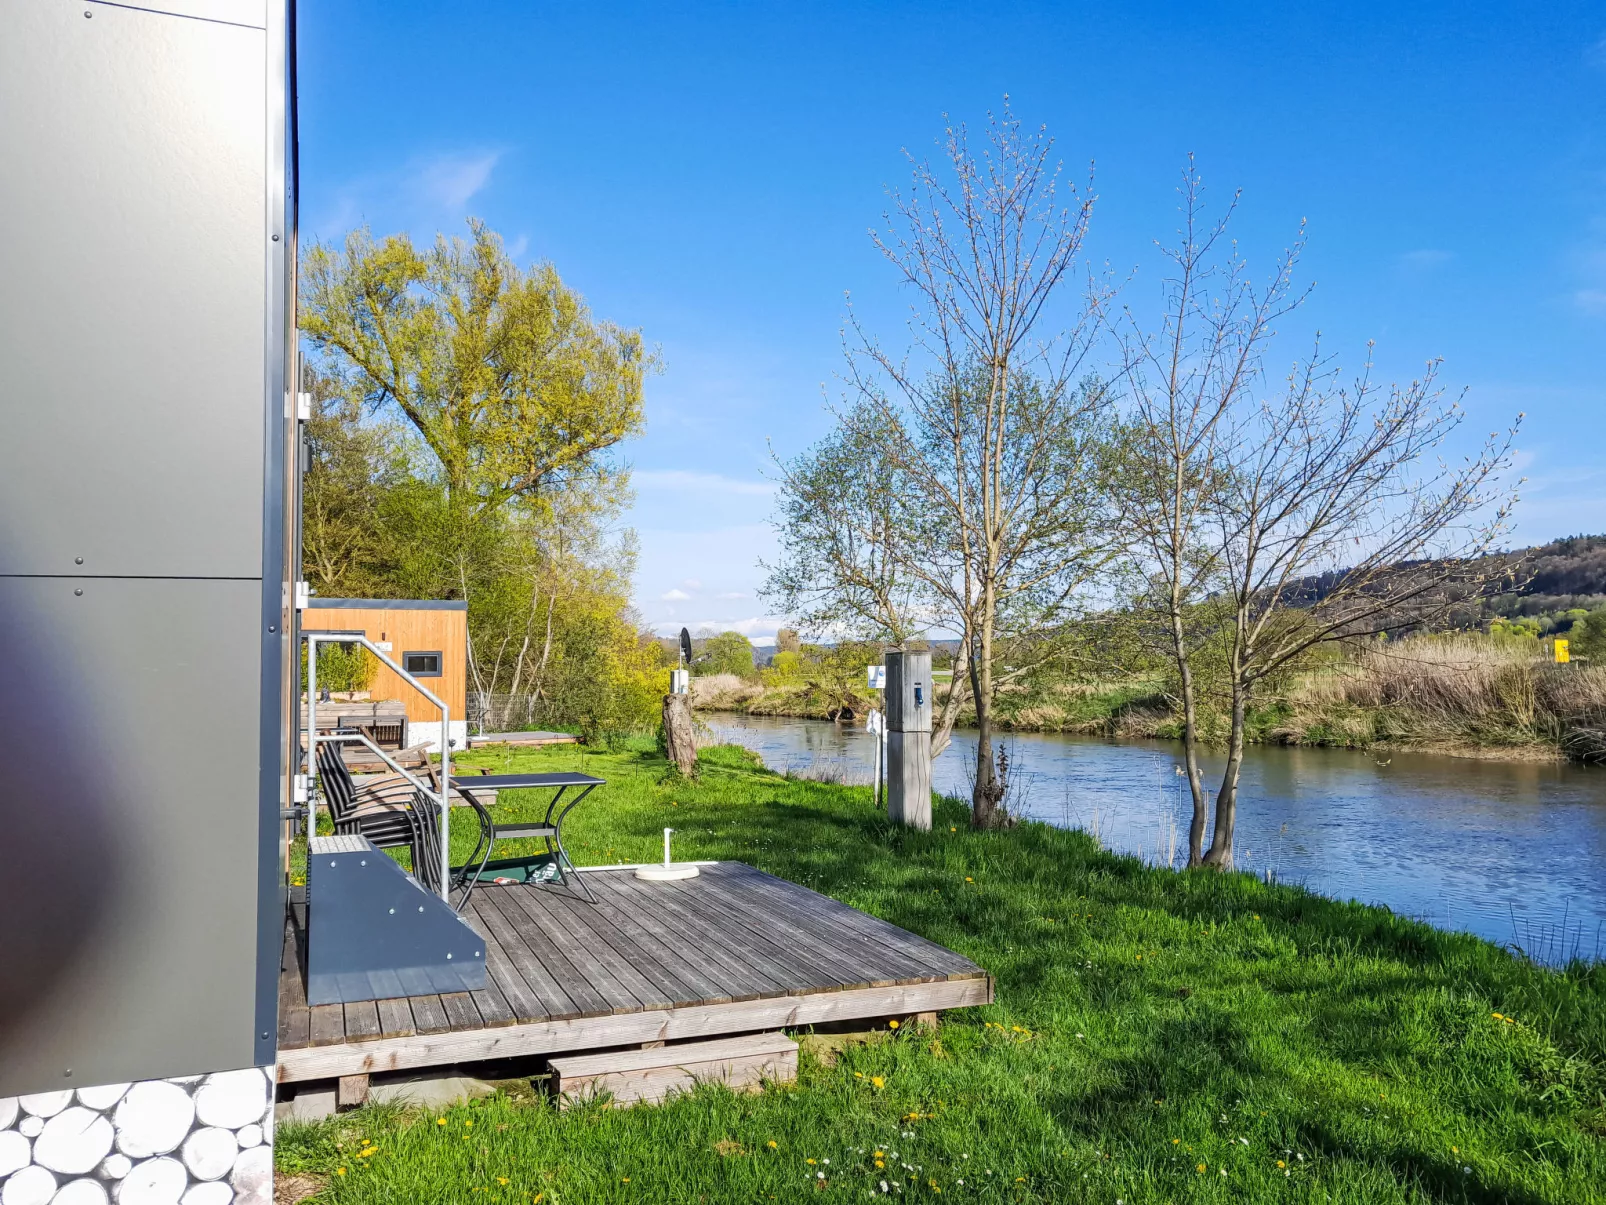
[730,951]
[409,631]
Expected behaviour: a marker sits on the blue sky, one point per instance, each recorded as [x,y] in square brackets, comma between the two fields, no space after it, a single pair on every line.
[708,173]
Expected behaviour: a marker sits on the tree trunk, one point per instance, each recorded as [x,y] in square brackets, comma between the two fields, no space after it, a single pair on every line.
[1190,756]
[986,796]
[679,736]
[1220,853]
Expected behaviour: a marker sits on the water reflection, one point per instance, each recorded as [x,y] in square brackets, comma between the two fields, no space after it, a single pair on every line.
[1512,851]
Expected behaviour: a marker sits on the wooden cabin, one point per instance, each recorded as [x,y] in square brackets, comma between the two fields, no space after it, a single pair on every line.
[429,639]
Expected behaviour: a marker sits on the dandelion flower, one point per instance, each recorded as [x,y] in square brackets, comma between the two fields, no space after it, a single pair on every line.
[810,1162]
[1200,1169]
[501,1179]
[892,1025]
[340,1171]
[1176,1142]
[1280,1163]
[440,1121]
[878,1081]
[771,1144]
[878,1155]
[968,879]
[468,1125]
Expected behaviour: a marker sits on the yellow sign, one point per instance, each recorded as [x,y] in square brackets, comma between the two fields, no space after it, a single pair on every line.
[1562,655]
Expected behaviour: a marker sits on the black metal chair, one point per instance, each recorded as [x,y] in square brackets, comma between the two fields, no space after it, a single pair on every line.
[390,812]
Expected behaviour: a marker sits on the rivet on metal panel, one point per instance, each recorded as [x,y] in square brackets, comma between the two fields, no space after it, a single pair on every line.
[68,1073]
[393,912]
[78,560]
[276,238]
[333,864]
[271,628]
[420,907]
[78,592]
[448,957]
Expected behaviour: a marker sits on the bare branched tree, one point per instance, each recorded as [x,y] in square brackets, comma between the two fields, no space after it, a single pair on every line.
[1324,479]
[986,434]
[1184,383]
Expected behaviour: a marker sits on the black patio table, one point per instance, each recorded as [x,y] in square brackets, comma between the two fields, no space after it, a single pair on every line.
[550,829]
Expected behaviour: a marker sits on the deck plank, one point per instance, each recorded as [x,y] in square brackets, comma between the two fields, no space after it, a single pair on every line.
[295,1018]
[516,971]
[461,1011]
[617,997]
[633,935]
[395,1019]
[328,1024]
[799,970]
[584,1000]
[680,937]
[699,937]
[842,950]
[362,1020]
[429,1015]
[590,929]
[799,901]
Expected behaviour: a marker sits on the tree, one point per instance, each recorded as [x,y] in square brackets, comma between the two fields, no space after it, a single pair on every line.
[1323,478]
[787,641]
[507,378]
[726,653]
[967,472]
[1185,383]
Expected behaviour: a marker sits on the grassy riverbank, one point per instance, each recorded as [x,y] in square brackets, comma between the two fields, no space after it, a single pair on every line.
[1465,693]
[1158,1037]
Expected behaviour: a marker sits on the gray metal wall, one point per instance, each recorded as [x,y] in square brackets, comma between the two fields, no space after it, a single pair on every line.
[145,235]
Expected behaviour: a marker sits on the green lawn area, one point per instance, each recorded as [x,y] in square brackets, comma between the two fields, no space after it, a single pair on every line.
[1158,1037]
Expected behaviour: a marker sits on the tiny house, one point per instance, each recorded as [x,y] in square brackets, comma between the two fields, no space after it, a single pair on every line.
[426,638]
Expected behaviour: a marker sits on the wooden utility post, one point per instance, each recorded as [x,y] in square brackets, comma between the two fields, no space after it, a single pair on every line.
[680,737]
[909,738]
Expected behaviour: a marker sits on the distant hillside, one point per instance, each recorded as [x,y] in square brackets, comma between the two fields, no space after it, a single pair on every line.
[1558,576]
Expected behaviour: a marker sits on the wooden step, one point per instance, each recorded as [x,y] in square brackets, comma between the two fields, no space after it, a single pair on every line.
[643,1076]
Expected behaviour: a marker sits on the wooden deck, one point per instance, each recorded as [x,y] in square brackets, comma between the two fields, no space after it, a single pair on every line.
[732,951]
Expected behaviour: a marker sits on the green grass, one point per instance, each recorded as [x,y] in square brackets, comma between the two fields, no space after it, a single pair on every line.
[1148,1024]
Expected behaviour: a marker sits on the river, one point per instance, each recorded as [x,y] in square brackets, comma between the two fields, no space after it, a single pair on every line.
[1512,851]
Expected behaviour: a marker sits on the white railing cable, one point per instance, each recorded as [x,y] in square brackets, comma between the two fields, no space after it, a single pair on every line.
[443,796]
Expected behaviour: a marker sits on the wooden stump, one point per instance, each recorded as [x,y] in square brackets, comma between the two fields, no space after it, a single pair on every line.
[679,736]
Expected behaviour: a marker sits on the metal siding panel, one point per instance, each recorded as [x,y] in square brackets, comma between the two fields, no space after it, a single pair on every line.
[132,292]
[137,708]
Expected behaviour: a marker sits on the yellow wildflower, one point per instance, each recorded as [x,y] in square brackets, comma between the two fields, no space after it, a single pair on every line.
[892,1025]
[501,1179]
[440,1121]
[968,879]
[1200,1169]
[1280,1163]
[878,1081]
[340,1171]
[858,1075]
[1498,1017]
[468,1125]
[1176,1142]
[771,1144]
[880,1164]
[878,1155]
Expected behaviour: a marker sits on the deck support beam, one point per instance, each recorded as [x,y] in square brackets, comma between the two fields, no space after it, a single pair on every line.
[625,1029]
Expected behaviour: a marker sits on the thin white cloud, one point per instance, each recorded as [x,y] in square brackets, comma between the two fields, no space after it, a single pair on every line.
[760,627]
[518,246]
[674,596]
[685,481]
[452,180]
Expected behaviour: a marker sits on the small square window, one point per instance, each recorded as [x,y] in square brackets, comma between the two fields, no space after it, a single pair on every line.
[422,665]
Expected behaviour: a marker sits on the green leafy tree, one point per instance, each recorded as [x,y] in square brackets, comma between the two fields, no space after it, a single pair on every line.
[725,653]
[506,376]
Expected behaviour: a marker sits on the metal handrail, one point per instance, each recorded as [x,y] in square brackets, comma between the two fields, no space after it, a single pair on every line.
[443,797]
